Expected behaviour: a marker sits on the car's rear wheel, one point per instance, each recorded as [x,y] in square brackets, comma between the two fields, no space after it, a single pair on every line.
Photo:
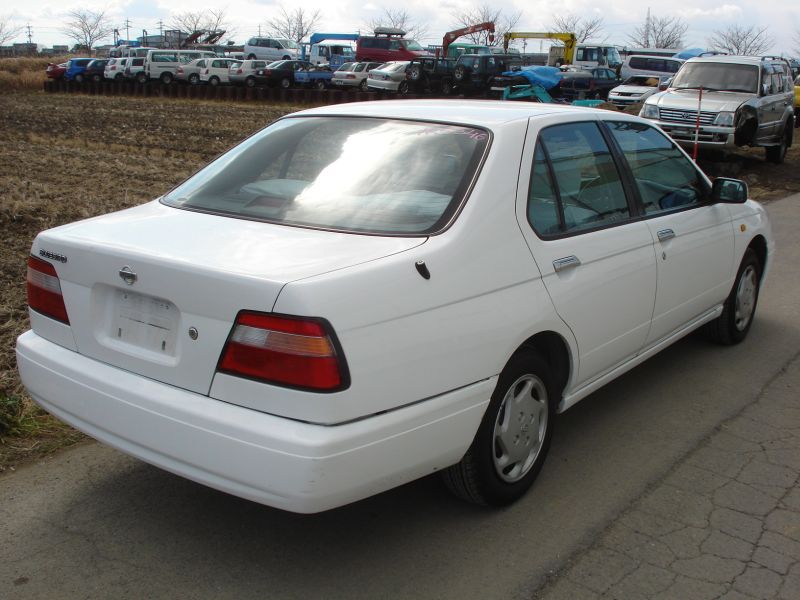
[213,81]
[460,73]
[514,436]
[363,85]
[402,88]
[777,154]
[166,78]
[250,82]
[320,85]
[119,77]
[96,78]
[446,88]
[415,72]
[141,77]
[194,79]
[732,325]
[79,77]
[286,83]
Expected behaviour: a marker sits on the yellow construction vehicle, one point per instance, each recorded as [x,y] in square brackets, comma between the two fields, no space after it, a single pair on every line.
[568,39]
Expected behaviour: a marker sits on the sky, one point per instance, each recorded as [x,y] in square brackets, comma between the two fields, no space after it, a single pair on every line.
[782,17]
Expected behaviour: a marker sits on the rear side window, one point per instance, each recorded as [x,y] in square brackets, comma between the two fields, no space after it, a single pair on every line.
[585,191]
[665,177]
[638,62]
[411,178]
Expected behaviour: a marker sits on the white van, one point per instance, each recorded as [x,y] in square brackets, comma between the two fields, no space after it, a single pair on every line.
[649,66]
[270,49]
[162,64]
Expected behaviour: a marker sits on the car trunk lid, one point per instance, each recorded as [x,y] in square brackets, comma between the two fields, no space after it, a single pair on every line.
[155,290]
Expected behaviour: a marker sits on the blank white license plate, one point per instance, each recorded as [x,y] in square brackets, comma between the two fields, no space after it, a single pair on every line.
[145,322]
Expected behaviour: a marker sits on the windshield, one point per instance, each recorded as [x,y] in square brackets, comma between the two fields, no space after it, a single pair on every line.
[413,45]
[288,44]
[613,57]
[726,77]
[410,179]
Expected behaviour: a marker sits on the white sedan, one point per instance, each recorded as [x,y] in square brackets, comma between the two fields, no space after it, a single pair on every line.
[390,77]
[275,330]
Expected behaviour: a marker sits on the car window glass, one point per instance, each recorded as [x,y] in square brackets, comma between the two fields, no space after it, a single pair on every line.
[542,200]
[665,177]
[586,177]
[412,175]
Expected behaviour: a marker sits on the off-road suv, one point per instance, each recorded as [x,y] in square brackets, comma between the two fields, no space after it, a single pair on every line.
[474,72]
[746,101]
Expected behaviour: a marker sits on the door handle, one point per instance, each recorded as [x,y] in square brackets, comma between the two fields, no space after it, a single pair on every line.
[665,234]
[567,262]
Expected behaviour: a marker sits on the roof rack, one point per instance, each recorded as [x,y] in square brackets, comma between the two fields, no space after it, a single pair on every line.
[770,57]
[389,31]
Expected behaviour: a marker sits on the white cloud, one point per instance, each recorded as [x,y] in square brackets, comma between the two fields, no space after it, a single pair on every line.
[726,11]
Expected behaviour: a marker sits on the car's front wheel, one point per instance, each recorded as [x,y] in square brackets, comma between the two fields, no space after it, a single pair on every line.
[402,88]
[286,83]
[513,438]
[732,325]
[250,82]
[194,79]
[363,85]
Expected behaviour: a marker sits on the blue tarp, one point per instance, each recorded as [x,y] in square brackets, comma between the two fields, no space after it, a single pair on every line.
[688,53]
[547,77]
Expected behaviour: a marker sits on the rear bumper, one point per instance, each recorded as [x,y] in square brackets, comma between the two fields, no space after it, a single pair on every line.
[275,461]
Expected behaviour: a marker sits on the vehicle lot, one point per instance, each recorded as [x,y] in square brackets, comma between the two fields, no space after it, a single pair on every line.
[95,523]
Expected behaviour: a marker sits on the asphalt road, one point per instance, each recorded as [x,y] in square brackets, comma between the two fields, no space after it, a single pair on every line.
[92,523]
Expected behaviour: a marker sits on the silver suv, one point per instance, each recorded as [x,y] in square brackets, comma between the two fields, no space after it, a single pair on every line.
[746,101]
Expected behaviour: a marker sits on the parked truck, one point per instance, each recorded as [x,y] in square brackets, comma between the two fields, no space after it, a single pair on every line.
[584,55]
[328,49]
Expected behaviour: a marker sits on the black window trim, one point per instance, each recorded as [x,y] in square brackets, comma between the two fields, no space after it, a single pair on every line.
[633,205]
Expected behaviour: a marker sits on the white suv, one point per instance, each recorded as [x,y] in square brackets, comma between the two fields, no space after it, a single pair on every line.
[271,49]
[746,101]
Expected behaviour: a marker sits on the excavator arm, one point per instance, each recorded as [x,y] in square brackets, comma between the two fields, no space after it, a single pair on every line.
[568,39]
[452,36]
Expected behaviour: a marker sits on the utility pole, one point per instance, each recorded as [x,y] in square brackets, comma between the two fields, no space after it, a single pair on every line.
[647,29]
[30,35]
[259,31]
[162,44]
[127,29]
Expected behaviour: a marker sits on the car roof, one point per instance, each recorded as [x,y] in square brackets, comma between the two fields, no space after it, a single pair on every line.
[481,113]
[733,59]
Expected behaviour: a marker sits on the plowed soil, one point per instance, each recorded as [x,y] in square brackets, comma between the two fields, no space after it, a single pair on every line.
[68,157]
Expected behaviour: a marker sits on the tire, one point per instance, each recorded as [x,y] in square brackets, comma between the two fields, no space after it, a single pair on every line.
[286,83]
[97,78]
[119,77]
[79,78]
[402,88]
[320,85]
[141,77]
[250,82]
[732,325]
[213,81]
[777,154]
[166,78]
[194,79]
[415,72]
[509,448]
[460,73]
[446,88]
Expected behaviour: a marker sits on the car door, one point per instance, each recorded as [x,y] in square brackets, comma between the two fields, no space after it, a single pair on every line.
[693,239]
[596,261]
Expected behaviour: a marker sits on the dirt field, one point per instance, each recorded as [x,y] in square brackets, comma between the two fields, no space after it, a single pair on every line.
[68,157]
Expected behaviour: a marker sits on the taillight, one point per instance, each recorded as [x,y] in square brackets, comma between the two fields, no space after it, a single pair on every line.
[295,352]
[44,290]
[239,71]
[351,76]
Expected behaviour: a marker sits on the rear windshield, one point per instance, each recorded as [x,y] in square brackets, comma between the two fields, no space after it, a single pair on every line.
[362,175]
[717,77]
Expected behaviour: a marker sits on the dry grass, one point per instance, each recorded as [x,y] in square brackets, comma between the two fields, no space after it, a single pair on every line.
[70,157]
[25,73]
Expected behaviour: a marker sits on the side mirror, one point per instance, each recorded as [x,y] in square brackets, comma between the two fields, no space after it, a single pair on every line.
[729,191]
[765,89]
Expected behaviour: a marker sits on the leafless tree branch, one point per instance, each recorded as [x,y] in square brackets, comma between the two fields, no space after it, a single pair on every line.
[584,28]
[296,24]
[659,32]
[400,19]
[87,27]
[8,31]
[738,39]
[503,23]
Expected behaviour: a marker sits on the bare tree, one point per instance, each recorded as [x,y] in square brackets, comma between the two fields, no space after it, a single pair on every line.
[294,25]
[399,19]
[584,28]
[503,23]
[659,32]
[87,27]
[737,39]
[189,21]
[8,31]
